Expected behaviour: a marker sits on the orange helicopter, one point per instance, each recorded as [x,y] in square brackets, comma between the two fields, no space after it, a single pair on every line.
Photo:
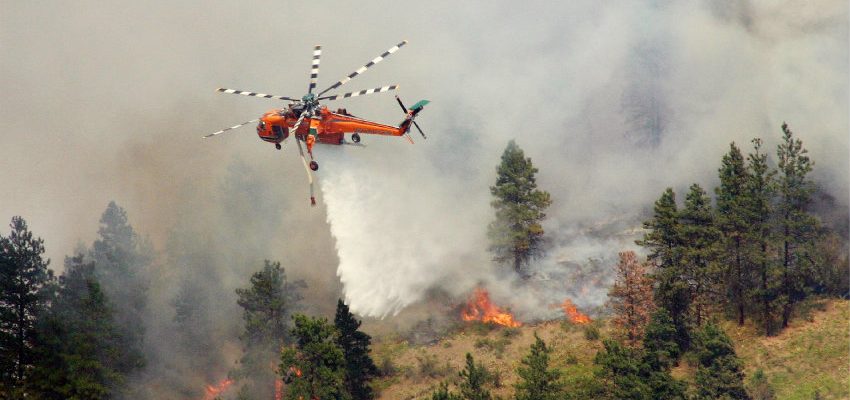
[325,126]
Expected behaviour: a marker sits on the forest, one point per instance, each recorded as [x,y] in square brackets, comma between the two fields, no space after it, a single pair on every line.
[758,250]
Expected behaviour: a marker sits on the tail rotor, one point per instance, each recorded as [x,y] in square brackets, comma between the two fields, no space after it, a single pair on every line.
[411,115]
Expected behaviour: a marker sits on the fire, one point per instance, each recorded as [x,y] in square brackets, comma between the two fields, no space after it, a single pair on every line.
[214,391]
[480,308]
[571,312]
[278,389]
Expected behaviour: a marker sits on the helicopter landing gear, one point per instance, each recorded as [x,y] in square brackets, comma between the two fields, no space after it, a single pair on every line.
[355,138]
[314,165]
[277,146]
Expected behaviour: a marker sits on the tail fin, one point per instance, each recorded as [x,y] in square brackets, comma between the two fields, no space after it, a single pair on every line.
[411,114]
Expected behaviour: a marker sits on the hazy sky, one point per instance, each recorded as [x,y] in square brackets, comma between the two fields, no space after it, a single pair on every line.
[613,101]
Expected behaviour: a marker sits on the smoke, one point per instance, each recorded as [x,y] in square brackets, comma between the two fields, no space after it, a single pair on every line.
[613,101]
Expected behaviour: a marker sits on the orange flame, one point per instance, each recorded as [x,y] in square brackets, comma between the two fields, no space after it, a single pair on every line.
[278,389]
[574,315]
[480,308]
[214,391]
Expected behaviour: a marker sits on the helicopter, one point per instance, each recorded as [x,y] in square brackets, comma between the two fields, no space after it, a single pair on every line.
[311,122]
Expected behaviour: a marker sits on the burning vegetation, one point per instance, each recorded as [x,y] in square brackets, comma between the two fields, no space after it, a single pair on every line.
[480,308]
[213,391]
[573,314]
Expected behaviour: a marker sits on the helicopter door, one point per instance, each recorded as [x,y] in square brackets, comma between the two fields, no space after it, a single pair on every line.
[279,133]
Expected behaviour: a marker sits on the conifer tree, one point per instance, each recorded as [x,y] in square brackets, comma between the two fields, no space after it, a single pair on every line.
[663,239]
[719,374]
[473,379]
[516,235]
[359,366]
[659,343]
[314,368]
[537,380]
[622,372]
[734,221]
[442,393]
[267,305]
[122,260]
[80,348]
[25,281]
[631,298]
[700,236]
[760,190]
[797,228]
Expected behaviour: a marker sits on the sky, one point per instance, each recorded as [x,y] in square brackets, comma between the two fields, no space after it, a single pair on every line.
[613,101]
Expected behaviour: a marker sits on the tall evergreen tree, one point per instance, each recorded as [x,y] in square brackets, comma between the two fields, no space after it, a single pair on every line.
[659,343]
[733,219]
[79,345]
[621,370]
[267,305]
[537,380]
[631,297]
[719,374]
[700,236]
[473,379]
[516,235]
[24,283]
[359,366]
[663,239]
[315,367]
[760,190]
[797,228]
[122,260]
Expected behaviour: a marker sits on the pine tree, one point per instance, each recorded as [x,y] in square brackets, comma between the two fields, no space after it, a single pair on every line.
[700,236]
[659,343]
[315,367]
[719,374]
[122,260]
[733,220]
[631,297]
[537,380]
[797,228]
[664,241]
[473,379]
[442,393]
[267,305]
[760,190]
[359,366]
[79,345]
[516,235]
[24,284]
[622,372]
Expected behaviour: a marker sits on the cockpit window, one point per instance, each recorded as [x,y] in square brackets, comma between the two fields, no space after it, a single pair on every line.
[261,126]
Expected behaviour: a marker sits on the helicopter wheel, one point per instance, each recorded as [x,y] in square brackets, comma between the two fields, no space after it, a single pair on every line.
[277,146]
[314,165]
[355,138]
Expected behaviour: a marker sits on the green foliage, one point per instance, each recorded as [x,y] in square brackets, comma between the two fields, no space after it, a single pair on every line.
[664,241]
[659,343]
[719,374]
[761,389]
[442,393]
[497,346]
[122,261]
[734,220]
[79,348]
[318,358]
[516,235]
[591,332]
[25,282]
[699,236]
[621,372]
[537,381]
[267,305]
[360,368]
[473,379]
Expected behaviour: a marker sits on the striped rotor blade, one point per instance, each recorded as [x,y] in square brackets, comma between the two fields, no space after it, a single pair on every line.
[314,70]
[231,128]
[374,61]
[361,93]
[254,94]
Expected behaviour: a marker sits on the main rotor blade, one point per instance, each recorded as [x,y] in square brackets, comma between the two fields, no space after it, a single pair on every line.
[374,61]
[254,94]
[360,93]
[231,128]
[420,130]
[314,71]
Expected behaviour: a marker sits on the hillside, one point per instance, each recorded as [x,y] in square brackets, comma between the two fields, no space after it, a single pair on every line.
[811,355]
